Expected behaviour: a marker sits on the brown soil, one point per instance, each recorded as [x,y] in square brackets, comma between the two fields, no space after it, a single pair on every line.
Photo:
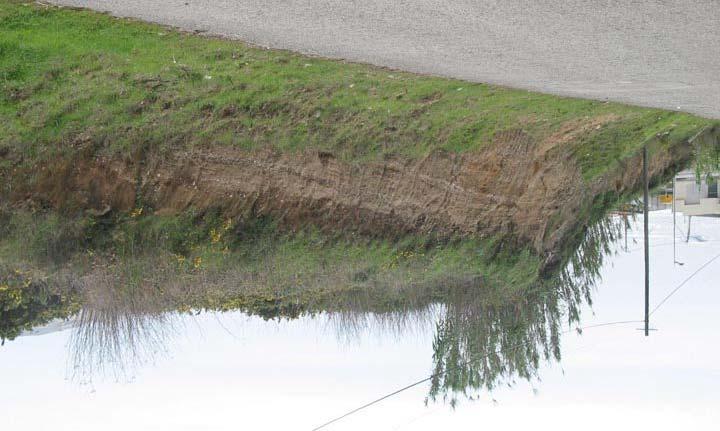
[530,193]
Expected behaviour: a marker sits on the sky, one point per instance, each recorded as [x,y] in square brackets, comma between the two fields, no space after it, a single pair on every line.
[228,371]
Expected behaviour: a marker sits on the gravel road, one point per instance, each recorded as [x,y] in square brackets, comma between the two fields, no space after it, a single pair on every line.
[659,53]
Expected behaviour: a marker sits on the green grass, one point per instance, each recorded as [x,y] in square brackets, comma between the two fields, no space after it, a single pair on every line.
[205,243]
[82,82]
[202,261]
[77,79]
[27,301]
[50,266]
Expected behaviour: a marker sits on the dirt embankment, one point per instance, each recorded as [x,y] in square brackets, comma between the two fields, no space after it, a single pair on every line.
[531,193]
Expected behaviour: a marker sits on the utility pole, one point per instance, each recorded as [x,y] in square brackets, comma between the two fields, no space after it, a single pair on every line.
[626,222]
[674,224]
[646,198]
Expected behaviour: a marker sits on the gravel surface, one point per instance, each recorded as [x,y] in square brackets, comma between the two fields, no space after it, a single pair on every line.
[659,53]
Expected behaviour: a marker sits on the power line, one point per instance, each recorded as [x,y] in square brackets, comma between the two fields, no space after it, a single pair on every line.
[426,379]
[598,325]
[684,282]
[667,244]
[364,406]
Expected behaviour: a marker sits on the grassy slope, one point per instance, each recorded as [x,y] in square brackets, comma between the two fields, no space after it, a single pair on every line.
[209,261]
[77,79]
[76,75]
[206,262]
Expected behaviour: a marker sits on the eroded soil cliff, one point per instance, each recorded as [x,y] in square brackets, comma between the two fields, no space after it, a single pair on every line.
[528,193]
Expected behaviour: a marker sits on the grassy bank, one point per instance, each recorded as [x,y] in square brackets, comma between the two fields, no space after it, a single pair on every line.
[51,266]
[77,84]
[76,79]
[78,87]
[254,251]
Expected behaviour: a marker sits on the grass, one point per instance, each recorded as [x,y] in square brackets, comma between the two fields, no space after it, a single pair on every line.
[133,274]
[27,300]
[253,250]
[79,82]
[76,79]
[51,266]
[150,265]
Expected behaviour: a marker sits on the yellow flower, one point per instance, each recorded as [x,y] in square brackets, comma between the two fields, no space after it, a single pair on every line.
[227,225]
[197,262]
[136,212]
[180,258]
[215,236]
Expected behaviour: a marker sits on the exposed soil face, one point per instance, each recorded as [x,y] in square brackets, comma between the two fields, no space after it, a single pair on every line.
[530,193]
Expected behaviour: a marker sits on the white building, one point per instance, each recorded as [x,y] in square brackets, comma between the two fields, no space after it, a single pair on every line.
[693,199]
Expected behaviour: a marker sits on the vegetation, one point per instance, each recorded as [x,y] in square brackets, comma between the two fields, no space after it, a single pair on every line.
[484,337]
[707,157]
[77,80]
[254,251]
[480,345]
[82,83]
[27,301]
[52,267]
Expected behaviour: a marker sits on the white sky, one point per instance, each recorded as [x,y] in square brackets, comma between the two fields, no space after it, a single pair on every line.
[298,374]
